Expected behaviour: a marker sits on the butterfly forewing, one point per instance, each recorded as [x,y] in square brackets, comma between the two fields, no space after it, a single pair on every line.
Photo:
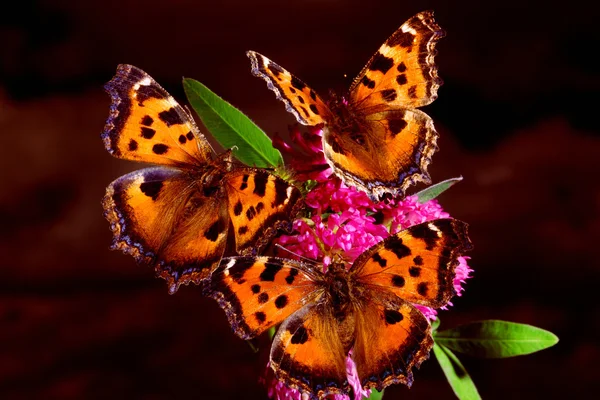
[299,99]
[418,264]
[146,124]
[257,293]
[402,73]
[157,216]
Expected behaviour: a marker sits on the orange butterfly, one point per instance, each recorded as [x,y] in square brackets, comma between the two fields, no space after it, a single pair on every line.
[177,216]
[367,308]
[374,137]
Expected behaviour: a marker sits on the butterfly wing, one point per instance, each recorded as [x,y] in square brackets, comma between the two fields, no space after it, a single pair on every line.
[402,73]
[308,353]
[259,204]
[299,99]
[417,264]
[146,124]
[257,293]
[392,337]
[391,154]
[159,217]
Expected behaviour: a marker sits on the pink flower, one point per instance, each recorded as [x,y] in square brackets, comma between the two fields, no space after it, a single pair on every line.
[308,160]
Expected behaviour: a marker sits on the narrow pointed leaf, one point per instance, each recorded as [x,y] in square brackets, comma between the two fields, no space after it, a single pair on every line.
[435,325]
[457,375]
[434,191]
[231,128]
[496,339]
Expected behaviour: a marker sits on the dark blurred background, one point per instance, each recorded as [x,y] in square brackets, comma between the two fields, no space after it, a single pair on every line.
[517,116]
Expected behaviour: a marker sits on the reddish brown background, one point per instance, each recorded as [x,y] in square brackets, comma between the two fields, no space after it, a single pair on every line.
[518,120]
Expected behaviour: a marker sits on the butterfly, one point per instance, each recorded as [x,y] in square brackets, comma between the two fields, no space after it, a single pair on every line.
[178,216]
[367,308]
[374,137]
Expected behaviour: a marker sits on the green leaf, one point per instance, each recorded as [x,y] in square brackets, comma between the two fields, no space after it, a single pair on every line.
[434,191]
[496,339]
[231,127]
[375,395]
[457,375]
[435,325]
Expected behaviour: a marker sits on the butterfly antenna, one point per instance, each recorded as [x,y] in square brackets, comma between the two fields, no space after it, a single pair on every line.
[308,260]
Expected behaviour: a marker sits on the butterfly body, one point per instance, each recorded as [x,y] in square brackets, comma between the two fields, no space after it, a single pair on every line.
[367,308]
[182,215]
[374,137]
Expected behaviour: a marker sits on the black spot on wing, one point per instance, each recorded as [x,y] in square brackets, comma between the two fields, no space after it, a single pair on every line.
[212,233]
[147,120]
[297,83]
[314,109]
[368,82]
[381,63]
[422,288]
[260,183]
[272,267]
[147,133]
[260,317]
[291,276]
[380,260]
[244,184]
[425,233]
[189,135]
[250,213]
[238,270]
[392,317]
[151,189]
[182,139]
[171,117]
[133,145]
[259,207]
[275,69]
[146,92]
[160,148]
[412,92]
[401,79]
[414,271]
[301,99]
[281,301]
[255,288]
[313,95]
[395,245]
[389,95]
[401,67]
[238,208]
[242,230]
[263,297]
[397,125]
[300,336]
[418,260]
[402,39]
[398,281]
[281,187]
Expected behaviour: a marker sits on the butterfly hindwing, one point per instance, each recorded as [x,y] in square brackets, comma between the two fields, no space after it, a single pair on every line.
[417,264]
[393,155]
[157,216]
[259,292]
[259,204]
[392,337]
[308,353]
[146,124]
[402,73]
[299,99]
